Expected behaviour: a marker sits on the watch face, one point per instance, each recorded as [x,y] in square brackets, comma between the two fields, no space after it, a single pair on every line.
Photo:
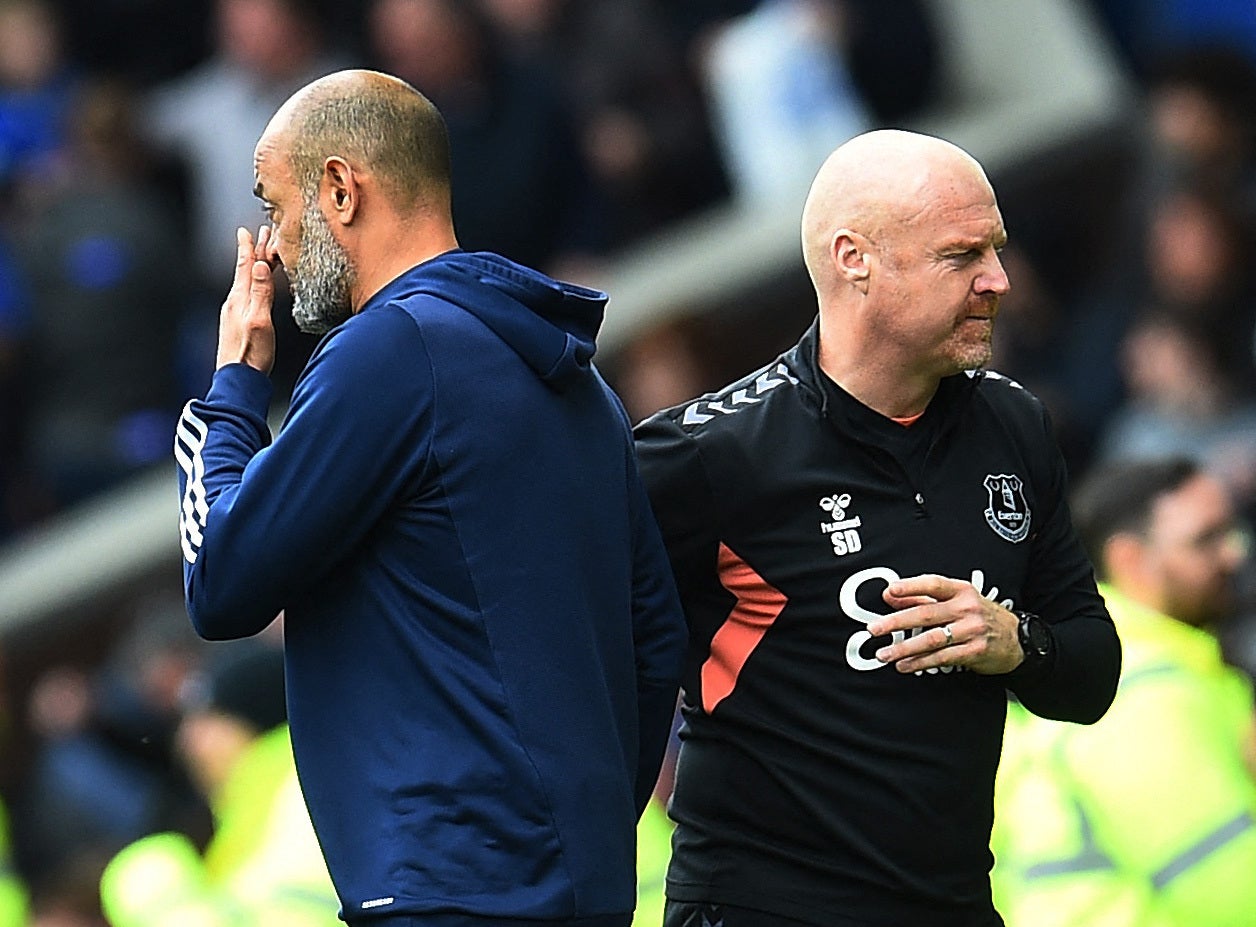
[1034,635]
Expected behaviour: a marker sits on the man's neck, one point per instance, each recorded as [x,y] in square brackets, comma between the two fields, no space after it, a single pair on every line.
[386,257]
[879,383]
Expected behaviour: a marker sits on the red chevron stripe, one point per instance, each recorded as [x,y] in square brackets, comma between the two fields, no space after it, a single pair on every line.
[758,604]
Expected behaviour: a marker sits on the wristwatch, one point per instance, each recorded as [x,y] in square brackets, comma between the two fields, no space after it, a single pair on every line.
[1036,639]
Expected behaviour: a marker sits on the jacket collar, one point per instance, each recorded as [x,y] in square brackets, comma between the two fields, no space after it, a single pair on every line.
[851,416]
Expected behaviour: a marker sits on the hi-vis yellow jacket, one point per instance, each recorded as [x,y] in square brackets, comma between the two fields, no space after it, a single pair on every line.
[654,849]
[13,902]
[1145,819]
[263,867]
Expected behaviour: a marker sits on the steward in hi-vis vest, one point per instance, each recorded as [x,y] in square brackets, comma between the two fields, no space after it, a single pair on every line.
[1147,818]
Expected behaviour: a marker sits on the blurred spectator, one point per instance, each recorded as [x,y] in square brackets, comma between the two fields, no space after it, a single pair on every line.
[1146,818]
[1192,264]
[102,258]
[782,95]
[1198,141]
[530,27]
[36,88]
[521,187]
[13,896]
[791,79]
[1182,401]
[13,900]
[654,841]
[73,900]
[1198,268]
[104,772]
[263,865]
[212,116]
[654,844]
[636,101]
[209,119]
[1202,108]
[892,49]
[660,368]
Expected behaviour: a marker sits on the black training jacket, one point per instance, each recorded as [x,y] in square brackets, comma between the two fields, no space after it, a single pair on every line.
[815,782]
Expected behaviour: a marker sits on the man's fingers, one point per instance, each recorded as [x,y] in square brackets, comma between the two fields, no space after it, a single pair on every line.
[929,641]
[263,240]
[924,615]
[261,288]
[910,601]
[246,332]
[244,258]
[931,585]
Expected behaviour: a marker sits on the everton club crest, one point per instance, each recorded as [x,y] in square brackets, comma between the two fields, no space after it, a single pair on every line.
[1008,512]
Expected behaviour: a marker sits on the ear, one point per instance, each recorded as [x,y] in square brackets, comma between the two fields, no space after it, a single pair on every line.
[852,258]
[340,190]
[1125,559]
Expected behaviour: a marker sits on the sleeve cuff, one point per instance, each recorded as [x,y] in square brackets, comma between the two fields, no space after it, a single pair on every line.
[243,386]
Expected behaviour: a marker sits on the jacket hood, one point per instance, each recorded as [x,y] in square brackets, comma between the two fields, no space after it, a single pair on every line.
[550,324]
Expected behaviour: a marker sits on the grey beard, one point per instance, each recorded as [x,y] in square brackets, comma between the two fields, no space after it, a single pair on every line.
[323,280]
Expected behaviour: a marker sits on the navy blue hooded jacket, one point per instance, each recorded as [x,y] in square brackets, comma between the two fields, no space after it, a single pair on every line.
[482,634]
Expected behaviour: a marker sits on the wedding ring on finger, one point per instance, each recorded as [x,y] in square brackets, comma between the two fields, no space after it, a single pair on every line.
[950,635]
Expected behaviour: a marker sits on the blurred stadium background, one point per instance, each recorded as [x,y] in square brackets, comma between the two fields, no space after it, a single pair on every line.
[660,150]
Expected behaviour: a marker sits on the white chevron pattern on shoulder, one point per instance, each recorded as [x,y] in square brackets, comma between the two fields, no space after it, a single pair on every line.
[189,442]
[703,411]
[994,375]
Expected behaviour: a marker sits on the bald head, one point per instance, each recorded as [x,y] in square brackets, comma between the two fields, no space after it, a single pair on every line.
[875,182]
[377,123]
[901,234]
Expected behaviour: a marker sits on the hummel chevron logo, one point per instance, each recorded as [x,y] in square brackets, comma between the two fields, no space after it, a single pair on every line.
[993,375]
[701,412]
[765,381]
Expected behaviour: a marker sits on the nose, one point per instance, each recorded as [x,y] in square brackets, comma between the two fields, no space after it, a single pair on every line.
[993,277]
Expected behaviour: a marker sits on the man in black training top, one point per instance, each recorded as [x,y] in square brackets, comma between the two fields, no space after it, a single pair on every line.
[872,543]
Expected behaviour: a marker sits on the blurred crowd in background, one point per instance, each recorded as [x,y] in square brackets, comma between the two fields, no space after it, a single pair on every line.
[579,128]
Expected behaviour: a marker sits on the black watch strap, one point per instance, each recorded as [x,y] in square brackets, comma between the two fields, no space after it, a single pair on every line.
[1036,640]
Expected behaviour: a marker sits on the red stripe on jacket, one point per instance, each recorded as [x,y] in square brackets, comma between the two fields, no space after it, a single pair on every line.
[758,604]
